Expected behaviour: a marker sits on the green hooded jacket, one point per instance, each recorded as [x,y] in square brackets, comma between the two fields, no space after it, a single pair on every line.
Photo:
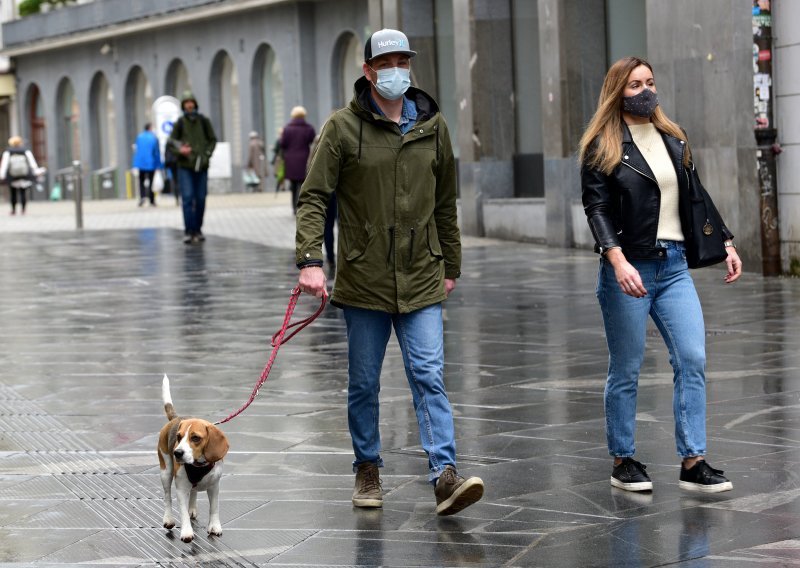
[197,131]
[396,194]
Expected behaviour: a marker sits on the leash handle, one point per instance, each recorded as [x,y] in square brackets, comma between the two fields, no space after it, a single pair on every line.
[278,340]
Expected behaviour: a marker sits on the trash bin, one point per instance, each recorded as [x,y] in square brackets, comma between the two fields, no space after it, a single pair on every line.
[66,183]
[104,184]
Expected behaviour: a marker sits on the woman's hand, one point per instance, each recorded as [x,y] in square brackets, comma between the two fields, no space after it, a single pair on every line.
[734,265]
[627,276]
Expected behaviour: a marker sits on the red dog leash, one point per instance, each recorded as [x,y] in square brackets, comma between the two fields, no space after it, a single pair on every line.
[277,340]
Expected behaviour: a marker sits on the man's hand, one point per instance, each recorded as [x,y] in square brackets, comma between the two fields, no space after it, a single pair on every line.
[449,285]
[185,150]
[312,281]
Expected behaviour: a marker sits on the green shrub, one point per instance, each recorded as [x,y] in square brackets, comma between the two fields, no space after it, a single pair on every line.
[28,7]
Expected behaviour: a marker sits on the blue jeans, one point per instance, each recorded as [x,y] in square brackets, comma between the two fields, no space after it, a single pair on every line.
[420,335]
[673,304]
[194,188]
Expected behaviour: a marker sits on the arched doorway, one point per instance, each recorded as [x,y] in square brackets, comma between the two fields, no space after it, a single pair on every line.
[102,123]
[69,125]
[269,109]
[346,68]
[225,109]
[177,80]
[138,105]
[34,111]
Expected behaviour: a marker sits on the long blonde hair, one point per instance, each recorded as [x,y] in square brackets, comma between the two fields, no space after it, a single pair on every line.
[601,144]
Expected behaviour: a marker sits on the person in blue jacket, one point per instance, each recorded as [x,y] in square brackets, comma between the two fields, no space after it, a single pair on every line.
[147,159]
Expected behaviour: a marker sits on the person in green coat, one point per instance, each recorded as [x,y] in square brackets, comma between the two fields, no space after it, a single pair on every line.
[389,159]
[193,142]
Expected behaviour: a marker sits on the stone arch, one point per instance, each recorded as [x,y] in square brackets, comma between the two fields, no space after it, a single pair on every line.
[138,104]
[269,111]
[102,123]
[225,106]
[36,125]
[68,117]
[345,68]
[177,79]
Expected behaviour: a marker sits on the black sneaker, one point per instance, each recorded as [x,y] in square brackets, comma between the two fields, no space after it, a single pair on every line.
[704,478]
[630,475]
[454,493]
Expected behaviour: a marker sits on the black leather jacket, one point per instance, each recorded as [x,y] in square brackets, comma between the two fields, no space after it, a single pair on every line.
[623,207]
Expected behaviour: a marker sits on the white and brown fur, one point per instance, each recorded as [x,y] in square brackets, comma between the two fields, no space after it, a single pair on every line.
[190,451]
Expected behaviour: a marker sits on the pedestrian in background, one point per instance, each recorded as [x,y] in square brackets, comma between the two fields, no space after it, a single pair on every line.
[636,196]
[256,161]
[193,140]
[171,173]
[278,166]
[389,159]
[296,146]
[18,168]
[147,159]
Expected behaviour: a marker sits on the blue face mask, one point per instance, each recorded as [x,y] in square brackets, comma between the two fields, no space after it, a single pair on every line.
[392,83]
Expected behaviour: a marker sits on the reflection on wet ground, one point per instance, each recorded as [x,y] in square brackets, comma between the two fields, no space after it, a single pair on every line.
[90,323]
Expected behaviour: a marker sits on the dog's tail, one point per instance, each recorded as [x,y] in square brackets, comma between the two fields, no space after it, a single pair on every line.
[168,408]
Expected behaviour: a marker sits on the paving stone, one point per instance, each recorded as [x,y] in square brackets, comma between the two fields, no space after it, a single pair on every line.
[92,319]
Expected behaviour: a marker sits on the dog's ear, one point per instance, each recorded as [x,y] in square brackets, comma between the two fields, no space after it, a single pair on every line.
[217,445]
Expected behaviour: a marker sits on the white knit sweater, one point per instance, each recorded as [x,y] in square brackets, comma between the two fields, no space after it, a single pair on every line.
[648,139]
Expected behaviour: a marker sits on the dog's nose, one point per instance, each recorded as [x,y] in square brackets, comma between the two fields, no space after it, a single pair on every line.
[178,454]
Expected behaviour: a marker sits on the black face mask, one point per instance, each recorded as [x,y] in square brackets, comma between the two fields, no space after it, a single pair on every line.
[644,104]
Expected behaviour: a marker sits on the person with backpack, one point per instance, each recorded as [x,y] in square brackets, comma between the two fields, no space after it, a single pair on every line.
[193,140]
[18,168]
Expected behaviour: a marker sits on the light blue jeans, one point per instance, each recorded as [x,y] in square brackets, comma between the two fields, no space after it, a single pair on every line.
[673,304]
[194,188]
[420,335]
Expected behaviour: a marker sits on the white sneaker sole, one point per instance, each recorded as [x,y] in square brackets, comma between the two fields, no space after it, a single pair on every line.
[470,492]
[639,486]
[368,503]
[716,488]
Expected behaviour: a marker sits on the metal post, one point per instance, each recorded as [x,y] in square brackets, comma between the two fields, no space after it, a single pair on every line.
[76,167]
[766,141]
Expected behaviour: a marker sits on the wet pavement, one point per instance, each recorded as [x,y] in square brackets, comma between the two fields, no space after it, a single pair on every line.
[91,321]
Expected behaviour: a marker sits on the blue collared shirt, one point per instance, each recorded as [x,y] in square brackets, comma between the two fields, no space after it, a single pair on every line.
[408,116]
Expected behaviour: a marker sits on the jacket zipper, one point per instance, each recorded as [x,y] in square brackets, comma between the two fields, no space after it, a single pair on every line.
[639,172]
[411,247]
[391,246]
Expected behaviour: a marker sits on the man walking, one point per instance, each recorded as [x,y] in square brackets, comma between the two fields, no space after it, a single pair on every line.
[193,140]
[147,159]
[389,159]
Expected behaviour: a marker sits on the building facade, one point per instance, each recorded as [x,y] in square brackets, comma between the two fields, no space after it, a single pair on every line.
[517,81]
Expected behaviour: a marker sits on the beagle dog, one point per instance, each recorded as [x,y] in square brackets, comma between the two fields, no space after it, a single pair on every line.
[190,451]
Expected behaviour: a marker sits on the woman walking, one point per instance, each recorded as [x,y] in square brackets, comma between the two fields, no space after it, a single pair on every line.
[634,163]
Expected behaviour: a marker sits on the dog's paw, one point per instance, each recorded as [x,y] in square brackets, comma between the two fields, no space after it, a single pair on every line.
[169,523]
[193,514]
[187,536]
[215,530]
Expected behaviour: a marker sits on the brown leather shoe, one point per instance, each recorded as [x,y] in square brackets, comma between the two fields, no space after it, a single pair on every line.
[454,493]
[367,492]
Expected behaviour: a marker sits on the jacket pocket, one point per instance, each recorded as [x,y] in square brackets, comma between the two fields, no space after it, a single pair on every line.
[355,240]
[434,247]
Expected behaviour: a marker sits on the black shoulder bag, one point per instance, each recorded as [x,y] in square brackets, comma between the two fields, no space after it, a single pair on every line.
[705,244]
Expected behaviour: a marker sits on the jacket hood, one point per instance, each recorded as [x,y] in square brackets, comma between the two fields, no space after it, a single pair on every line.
[189,96]
[426,106]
